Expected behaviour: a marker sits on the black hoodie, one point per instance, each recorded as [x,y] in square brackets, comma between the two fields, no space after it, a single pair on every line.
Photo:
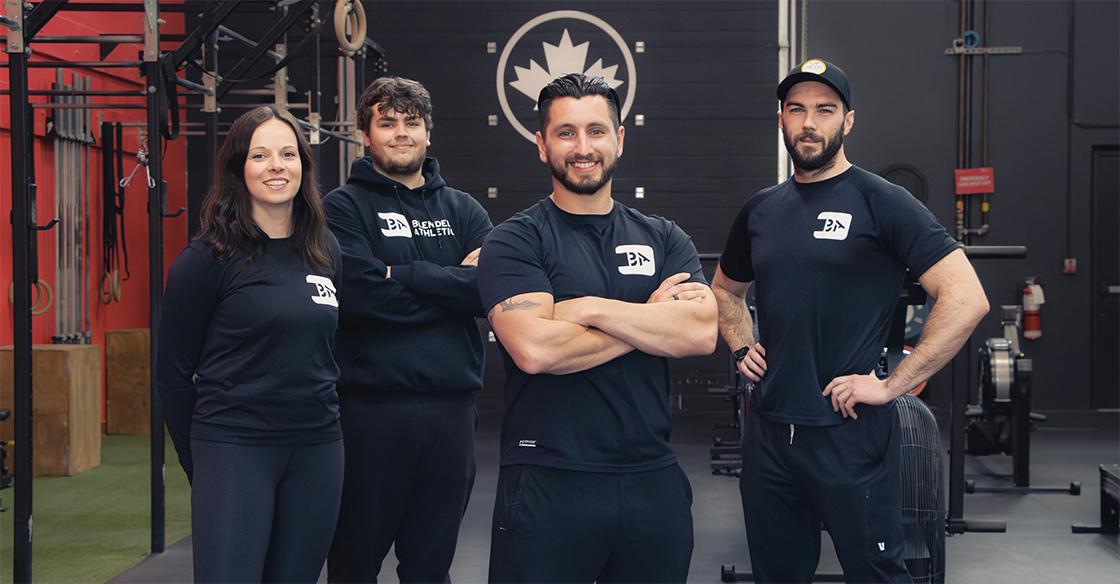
[414,331]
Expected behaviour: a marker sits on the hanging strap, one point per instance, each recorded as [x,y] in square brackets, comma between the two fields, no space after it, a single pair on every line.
[110,279]
[171,94]
[109,194]
[120,200]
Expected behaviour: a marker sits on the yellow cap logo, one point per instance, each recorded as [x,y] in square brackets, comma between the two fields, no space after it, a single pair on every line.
[814,66]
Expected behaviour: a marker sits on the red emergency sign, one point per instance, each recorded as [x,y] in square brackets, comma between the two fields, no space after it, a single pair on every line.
[973,181]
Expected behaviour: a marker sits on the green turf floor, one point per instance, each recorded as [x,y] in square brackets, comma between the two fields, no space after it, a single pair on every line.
[93,526]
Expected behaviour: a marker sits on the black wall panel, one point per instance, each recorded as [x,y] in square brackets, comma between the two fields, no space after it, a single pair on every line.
[705,85]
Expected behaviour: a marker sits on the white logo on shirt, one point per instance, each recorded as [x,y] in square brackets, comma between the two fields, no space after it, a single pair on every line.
[527,443]
[882,546]
[325,288]
[639,260]
[835,225]
[397,225]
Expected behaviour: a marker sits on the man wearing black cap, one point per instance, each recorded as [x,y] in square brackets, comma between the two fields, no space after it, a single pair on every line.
[828,250]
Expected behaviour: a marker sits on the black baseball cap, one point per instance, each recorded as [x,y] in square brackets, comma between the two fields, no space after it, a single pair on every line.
[821,71]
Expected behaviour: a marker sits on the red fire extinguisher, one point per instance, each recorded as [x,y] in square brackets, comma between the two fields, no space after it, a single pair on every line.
[1033,299]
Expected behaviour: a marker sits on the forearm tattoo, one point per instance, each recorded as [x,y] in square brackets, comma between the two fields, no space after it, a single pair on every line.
[509,304]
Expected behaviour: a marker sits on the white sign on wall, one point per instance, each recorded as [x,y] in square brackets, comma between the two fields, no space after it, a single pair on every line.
[567,53]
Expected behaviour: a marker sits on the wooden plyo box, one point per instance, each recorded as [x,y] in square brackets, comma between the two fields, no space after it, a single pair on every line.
[66,407]
[128,381]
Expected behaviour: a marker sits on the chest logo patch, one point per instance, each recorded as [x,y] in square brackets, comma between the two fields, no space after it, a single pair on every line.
[396,225]
[639,260]
[324,289]
[835,225]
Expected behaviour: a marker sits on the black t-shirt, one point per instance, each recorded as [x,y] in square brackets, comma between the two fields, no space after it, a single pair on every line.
[246,348]
[827,260]
[614,417]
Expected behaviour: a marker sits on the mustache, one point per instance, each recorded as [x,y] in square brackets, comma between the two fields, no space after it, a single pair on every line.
[809,136]
[577,158]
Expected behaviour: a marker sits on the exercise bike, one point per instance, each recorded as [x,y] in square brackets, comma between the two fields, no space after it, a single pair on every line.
[1001,421]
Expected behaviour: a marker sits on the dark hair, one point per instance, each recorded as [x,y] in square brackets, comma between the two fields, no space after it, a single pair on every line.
[226,221]
[394,93]
[577,85]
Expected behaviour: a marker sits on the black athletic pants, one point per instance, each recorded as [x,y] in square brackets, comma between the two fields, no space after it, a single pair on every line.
[847,477]
[409,473]
[553,525]
[263,513]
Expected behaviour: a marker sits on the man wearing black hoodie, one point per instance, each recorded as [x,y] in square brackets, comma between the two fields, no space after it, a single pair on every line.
[408,346]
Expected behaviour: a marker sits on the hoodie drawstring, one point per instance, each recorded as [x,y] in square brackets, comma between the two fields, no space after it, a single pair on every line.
[424,197]
[400,205]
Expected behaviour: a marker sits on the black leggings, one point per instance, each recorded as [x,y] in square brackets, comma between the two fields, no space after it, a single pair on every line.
[263,513]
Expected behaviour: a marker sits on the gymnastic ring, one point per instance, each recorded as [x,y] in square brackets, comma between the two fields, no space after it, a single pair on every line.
[111,287]
[352,11]
[12,295]
[43,293]
[46,293]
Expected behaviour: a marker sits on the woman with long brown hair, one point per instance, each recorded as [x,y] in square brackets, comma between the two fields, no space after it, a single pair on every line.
[245,365]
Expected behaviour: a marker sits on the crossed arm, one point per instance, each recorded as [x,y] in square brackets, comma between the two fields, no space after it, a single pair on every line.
[452,287]
[543,336]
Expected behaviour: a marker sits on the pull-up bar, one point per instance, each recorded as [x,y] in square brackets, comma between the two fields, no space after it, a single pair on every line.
[78,64]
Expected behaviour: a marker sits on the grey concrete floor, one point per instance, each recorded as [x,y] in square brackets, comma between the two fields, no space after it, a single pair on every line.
[1037,547]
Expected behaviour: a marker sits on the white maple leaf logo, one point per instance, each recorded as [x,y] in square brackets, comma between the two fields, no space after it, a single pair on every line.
[562,59]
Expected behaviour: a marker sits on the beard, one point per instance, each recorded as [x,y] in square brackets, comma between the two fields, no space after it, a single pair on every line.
[399,166]
[583,185]
[810,162]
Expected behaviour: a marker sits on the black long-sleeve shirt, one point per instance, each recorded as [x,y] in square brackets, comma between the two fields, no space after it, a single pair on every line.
[413,331]
[245,349]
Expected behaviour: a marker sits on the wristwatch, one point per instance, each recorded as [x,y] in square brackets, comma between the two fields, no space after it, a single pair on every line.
[741,353]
